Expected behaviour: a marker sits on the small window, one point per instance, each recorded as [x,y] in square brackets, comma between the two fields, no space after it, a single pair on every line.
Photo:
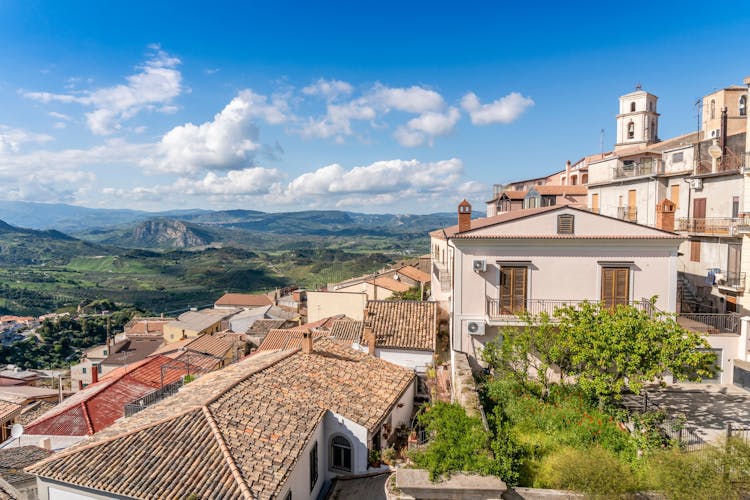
[288,495]
[632,107]
[83,370]
[99,368]
[678,157]
[341,454]
[743,105]
[631,130]
[695,251]
[104,352]
[565,224]
[712,110]
[313,466]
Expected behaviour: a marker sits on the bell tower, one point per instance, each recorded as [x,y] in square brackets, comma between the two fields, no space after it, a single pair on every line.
[638,121]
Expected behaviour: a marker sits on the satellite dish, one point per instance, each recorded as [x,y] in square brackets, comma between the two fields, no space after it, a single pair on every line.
[16,431]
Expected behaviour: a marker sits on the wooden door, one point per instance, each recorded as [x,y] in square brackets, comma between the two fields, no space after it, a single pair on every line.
[733,263]
[595,203]
[632,214]
[615,286]
[699,215]
[512,290]
[674,195]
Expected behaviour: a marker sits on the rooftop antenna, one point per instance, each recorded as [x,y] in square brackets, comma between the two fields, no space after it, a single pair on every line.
[16,431]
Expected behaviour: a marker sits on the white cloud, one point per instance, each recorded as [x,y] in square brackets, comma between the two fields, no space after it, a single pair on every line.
[504,110]
[59,116]
[413,99]
[11,139]
[154,87]
[329,89]
[338,119]
[229,141]
[424,128]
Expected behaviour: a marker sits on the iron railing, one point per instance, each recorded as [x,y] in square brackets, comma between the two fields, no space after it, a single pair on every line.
[728,162]
[502,312]
[627,213]
[719,226]
[648,166]
[708,323]
[152,397]
[443,276]
[731,279]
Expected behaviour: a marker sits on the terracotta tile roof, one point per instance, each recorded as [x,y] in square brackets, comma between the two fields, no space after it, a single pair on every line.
[567,237]
[234,433]
[403,324]
[172,346]
[146,326]
[491,221]
[243,300]
[389,284]
[287,339]
[347,330]
[99,405]
[8,492]
[550,189]
[8,410]
[134,349]
[14,459]
[34,411]
[200,320]
[214,345]
[263,326]
[22,394]
[414,273]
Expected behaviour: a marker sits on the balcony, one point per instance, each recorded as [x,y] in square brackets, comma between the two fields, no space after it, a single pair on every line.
[710,323]
[731,280]
[730,162]
[443,276]
[500,313]
[627,213]
[714,226]
[642,167]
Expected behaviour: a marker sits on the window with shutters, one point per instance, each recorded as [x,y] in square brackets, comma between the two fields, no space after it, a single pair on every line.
[695,251]
[615,286]
[341,454]
[313,466]
[512,289]
[565,224]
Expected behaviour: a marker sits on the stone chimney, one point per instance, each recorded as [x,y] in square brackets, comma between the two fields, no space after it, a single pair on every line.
[665,215]
[45,443]
[94,374]
[464,216]
[367,334]
[307,341]
[567,173]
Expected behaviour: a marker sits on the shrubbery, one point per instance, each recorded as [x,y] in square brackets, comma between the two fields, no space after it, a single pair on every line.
[593,471]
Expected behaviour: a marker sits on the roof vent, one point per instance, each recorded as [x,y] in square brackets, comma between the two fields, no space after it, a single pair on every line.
[565,224]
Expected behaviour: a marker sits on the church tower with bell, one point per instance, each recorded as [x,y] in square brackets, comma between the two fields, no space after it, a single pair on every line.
[638,121]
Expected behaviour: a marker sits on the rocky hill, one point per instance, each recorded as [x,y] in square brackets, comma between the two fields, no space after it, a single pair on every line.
[166,233]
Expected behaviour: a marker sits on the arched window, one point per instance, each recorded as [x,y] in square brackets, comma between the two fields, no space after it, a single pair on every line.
[712,112]
[585,179]
[341,454]
[632,107]
[743,105]
[631,130]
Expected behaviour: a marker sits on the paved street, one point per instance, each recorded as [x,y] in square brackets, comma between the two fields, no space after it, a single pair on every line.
[368,488]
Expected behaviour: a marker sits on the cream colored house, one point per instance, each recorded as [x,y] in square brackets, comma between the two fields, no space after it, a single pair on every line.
[538,259]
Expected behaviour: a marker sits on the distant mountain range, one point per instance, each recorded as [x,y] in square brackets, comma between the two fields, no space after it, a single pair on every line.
[197,228]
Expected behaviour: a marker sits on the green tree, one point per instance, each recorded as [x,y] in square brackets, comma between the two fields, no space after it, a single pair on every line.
[413,293]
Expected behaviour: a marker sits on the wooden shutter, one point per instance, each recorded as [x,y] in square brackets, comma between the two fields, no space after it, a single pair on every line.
[615,286]
[695,251]
[565,224]
[595,203]
[699,215]
[674,194]
[512,290]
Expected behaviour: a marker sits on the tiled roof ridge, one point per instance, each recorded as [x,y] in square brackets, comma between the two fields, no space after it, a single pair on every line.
[83,446]
[87,416]
[236,473]
[61,408]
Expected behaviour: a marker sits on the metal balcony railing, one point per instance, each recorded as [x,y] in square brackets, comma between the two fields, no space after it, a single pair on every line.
[443,276]
[721,226]
[729,162]
[152,397]
[627,213]
[650,166]
[503,312]
[710,323]
[731,279]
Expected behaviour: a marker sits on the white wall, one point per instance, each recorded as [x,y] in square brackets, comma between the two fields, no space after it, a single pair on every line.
[299,478]
[326,304]
[413,360]
[355,433]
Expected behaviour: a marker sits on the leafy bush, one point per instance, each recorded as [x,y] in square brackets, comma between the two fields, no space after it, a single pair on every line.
[594,471]
[458,442]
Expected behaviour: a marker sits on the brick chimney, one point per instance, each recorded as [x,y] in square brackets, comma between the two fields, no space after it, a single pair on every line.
[94,374]
[307,341]
[369,337]
[665,215]
[464,216]
[567,173]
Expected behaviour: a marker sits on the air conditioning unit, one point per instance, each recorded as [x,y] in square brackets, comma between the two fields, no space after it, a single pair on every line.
[715,133]
[474,327]
[697,184]
[479,265]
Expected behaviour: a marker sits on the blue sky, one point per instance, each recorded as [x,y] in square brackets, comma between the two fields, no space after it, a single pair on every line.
[372,107]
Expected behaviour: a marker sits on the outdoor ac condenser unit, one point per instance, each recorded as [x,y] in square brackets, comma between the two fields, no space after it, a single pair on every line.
[479,265]
[474,327]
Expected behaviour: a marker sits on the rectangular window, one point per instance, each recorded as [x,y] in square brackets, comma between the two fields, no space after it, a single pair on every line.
[615,286]
[565,224]
[674,195]
[695,251]
[677,157]
[83,370]
[512,289]
[735,207]
[313,466]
